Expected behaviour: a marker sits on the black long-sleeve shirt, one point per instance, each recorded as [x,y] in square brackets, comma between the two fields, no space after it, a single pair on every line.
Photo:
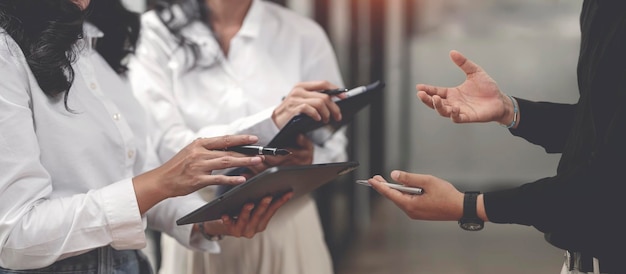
[581,208]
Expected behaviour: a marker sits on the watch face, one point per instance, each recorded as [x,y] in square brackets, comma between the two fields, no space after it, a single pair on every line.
[472,226]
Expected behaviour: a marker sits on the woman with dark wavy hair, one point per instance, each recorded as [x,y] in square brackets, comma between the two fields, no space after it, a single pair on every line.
[78,186]
[212,67]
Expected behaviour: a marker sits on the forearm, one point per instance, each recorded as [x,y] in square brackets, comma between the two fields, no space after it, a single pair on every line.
[544,124]
[53,229]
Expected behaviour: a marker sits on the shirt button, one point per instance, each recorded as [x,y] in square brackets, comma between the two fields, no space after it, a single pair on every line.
[116,116]
[130,153]
[93,85]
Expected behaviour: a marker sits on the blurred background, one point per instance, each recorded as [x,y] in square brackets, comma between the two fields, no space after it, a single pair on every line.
[530,47]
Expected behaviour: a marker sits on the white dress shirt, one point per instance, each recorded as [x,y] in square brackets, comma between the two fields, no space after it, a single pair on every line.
[236,94]
[66,176]
[231,94]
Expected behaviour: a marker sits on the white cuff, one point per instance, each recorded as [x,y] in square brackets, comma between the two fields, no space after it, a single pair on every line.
[122,212]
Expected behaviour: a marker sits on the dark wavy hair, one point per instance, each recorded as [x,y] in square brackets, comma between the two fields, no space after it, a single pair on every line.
[121,31]
[47,30]
[176,15]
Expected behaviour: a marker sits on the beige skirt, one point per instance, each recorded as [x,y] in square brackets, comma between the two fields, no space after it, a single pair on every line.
[292,243]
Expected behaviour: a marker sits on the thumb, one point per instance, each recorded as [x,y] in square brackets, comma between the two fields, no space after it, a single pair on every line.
[411,179]
[465,64]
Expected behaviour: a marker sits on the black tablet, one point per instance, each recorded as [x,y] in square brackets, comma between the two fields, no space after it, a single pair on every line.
[358,98]
[274,181]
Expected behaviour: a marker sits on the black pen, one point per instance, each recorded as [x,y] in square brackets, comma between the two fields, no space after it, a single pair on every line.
[259,150]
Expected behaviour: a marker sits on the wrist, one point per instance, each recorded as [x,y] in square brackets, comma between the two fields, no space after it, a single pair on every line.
[480,208]
[470,220]
[207,235]
[147,192]
[510,117]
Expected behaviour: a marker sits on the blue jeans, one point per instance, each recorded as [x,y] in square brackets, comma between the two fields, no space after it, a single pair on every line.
[104,260]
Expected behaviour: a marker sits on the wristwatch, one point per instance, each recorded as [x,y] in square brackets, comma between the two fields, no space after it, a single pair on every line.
[207,235]
[470,220]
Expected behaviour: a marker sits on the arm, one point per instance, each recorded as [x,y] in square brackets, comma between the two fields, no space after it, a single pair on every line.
[578,209]
[545,124]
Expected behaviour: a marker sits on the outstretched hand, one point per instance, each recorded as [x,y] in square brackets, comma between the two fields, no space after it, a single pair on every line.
[477,99]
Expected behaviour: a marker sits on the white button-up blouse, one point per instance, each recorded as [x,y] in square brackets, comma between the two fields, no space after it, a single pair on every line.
[66,176]
[274,50]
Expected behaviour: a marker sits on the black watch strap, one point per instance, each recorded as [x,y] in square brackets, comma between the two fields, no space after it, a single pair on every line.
[470,220]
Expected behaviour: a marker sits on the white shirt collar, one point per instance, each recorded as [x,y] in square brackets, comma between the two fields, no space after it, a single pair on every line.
[252,22]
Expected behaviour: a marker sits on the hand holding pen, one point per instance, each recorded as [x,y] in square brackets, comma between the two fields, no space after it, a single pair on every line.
[306,98]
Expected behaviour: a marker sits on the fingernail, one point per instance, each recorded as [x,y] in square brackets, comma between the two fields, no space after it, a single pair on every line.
[256,160]
[395,174]
[241,179]
[253,138]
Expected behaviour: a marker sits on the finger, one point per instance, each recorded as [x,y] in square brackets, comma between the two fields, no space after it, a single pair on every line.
[220,153]
[334,109]
[230,161]
[256,169]
[208,180]
[309,110]
[323,107]
[397,197]
[426,98]
[269,213]
[227,141]
[462,62]
[432,90]
[243,219]
[253,226]
[440,107]
[316,85]
[455,115]
[412,179]
[300,92]
[227,221]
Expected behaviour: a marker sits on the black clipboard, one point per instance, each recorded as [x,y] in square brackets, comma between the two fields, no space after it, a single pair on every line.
[303,124]
[274,181]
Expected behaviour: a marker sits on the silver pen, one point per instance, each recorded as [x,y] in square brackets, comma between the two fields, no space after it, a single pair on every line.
[405,189]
